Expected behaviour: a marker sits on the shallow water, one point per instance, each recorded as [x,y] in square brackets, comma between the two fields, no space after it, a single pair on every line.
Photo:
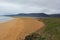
[5,19]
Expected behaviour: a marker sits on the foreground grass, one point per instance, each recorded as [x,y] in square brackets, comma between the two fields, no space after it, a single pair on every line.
[51,30]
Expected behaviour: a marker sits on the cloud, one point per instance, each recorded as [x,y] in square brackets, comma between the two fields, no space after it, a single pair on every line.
[27,6]
[6,8]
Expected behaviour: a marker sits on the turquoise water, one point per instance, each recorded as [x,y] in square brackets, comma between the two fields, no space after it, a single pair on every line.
[5,19]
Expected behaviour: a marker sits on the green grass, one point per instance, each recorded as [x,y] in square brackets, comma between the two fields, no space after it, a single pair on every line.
[51,30]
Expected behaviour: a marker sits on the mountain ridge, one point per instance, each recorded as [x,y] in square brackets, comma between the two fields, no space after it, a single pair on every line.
[35,15]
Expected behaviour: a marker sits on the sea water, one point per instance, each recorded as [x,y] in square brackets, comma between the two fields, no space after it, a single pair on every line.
[5,19]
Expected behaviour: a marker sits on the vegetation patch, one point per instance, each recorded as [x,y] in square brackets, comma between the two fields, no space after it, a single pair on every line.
[50,32]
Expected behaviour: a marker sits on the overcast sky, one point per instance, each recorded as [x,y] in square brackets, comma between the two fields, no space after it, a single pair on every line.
[29,6]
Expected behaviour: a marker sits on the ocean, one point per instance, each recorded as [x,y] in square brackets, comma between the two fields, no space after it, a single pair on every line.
[5,19]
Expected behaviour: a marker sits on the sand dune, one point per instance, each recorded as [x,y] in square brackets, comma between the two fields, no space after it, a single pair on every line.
[18,28]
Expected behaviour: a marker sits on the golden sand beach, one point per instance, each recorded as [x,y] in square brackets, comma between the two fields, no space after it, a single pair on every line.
[18,28]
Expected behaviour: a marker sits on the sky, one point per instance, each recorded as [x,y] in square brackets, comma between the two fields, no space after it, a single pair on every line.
[8,7]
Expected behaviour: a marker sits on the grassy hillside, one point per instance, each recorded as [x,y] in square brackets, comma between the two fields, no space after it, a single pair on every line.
[50,32]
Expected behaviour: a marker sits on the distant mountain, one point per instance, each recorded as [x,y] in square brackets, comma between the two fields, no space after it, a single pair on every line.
[35,15]
[31,15]
[54,15]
